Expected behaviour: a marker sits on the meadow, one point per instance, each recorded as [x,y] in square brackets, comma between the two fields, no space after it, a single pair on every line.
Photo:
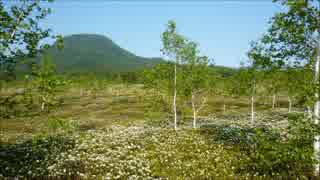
[117,132]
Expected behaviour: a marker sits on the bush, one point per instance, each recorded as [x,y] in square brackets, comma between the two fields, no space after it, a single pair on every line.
[290,156]
[270,152]
[58,124]
[31,158]
[229,135]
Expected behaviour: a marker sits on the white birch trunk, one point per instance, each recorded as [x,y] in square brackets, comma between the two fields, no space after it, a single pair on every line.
[316,110]
[309,112]
[252,101]
[43,103]
[316,145]
[42,106]
[194,111]
[13,33]
[252,109]
[175,97]
[224,108]
[81,92]
[289,104]
[273,101]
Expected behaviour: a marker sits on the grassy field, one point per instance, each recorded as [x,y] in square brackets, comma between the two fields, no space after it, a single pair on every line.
[116,105]
[113,133]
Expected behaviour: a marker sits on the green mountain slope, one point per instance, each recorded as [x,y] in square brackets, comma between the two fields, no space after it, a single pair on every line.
[96,53]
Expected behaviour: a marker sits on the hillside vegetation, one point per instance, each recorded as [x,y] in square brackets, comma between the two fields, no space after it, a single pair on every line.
[96,53]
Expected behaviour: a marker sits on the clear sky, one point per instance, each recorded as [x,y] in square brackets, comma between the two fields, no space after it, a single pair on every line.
[223,28]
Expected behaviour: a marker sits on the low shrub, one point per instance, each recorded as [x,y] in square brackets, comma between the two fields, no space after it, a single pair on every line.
[58,124]
[272,155]
[30,159]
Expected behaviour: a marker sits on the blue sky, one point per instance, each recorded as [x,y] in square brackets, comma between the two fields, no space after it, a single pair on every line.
[223,28]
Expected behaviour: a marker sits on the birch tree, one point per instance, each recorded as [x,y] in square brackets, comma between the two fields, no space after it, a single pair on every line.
[158,83]
[292,84]
[246,85]
[45,82]
[195,78]
[298,89]
[293,39]
[273,82]
[225,88]
[172,46]
[20,32]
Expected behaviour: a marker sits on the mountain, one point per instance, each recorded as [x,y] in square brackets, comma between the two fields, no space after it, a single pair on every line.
[96,53]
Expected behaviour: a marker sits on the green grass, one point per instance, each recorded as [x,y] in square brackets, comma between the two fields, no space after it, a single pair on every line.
[118,104]
[114,133]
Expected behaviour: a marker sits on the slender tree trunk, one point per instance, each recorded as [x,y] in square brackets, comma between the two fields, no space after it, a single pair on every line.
[43,103]
[273,101]
[252,100]
[81,92]
[224,106]
[289,104]
[13,33]
[309,112]
[194,111]
[14,30]
[316,107]
[252,109]
[175,97]
[42,106]
[316,114]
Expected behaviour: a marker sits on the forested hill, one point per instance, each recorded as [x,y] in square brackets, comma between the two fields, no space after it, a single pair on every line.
[96,53]
[92,53]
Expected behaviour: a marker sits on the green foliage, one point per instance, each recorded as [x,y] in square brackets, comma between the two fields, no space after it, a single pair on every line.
[292,43]
[291,37]
[20,32]
[18,104]
[173,43]
[58,124]
[8,107]
[195,78]
[97,85]
[274,82]
[45,82]
[214,151]
[228,135]
[120,99]
[159,77]
[222,71]
[159,83]
[173,48]
[157,110]
[195,71]
[88,53]
[245,81]
[135,77]
[272,155]
[267,152]
[299,85]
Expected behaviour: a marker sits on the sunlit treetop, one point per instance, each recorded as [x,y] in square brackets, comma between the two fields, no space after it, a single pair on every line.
[293,36]
[20,32]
